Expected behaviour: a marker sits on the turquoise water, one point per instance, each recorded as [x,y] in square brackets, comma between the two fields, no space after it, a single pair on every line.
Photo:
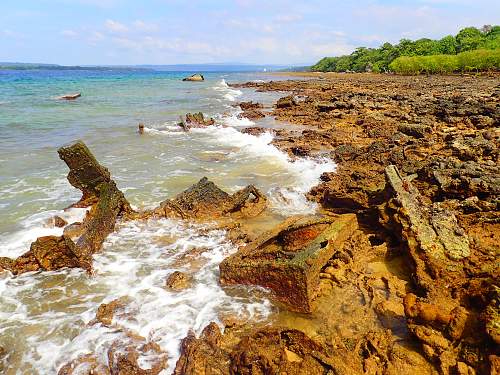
[44,316]
[33,124]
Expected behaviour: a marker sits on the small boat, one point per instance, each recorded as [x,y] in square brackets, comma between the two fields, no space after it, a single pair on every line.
[70,96]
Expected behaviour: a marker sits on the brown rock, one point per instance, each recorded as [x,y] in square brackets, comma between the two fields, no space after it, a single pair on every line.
[125,358]
[205,200]
[194,78]
[252,114]
[246,106]
[106,311]
[84,365]
[289,258]
[59,222]
[195,120]
[425,312]
[178,281]
[286,102]
[108,203]
[202,356]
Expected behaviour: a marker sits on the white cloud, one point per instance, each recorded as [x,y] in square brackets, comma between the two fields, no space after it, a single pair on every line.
[287,18]
[145,26]
[69,33]
[115,26]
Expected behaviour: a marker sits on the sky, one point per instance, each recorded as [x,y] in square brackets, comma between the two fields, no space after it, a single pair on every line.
[129,32]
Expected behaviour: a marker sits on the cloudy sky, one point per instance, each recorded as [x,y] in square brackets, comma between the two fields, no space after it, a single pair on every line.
[202,31]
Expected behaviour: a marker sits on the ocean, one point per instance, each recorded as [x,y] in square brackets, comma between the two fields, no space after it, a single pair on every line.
[44,316]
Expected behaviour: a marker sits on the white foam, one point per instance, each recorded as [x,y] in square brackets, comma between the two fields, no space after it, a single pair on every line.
[234,120]
[304,173]
[37,225]
[135,261]
[227,92]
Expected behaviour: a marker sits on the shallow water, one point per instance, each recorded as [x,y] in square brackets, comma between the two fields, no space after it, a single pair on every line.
[44,316]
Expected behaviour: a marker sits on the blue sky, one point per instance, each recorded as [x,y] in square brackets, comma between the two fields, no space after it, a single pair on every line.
[201,31]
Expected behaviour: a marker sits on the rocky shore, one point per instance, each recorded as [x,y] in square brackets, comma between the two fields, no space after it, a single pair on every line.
[397,273]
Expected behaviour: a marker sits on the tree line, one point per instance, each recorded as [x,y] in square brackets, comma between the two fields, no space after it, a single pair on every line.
[449,54]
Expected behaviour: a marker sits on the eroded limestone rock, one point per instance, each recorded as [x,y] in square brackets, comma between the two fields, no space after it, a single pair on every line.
[178,281]
[288,259]
[194,78]
[205,200]
[195,120]
[107,204]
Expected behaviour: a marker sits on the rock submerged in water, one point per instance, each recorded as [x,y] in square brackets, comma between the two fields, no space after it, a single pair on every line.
[195,120]
[177,281]
[206,201]
[70,96]
[107,204]
[194,78]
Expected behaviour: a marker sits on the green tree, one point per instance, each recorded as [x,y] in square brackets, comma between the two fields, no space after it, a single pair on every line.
[469,39]
[448,45]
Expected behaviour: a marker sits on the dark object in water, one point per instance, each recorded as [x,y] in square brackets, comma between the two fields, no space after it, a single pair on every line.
[70,96]
[141,128]
[195,78]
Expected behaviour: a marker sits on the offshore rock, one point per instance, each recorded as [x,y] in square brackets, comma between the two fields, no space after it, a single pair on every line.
[106,311]
[194,78]
[178,281]
[251,110]
[288,259]
[130,355]
[195,120]
[107,204]
[70,96]
[84,365]
[205,200]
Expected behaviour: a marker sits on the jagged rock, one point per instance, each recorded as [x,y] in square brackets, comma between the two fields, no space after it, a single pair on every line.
[106,311]
[194,78]
[74,230]
[491,316]
[129,355]
[178,281]
[202,356]
[59,222]
[466,179]
[84,365]
[325,106]
[276,351]
[135,356]
[286,102]
[436,242]
[195,120]
[414,130]
[473,148]
[252,114]
[264,351]
[425,312]
[108,203]
[257,130]
[289,258]
[85,172]
[205,200]
[246,106]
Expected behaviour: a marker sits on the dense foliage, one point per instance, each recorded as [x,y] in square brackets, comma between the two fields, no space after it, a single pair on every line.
[476,60]
[380,59]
